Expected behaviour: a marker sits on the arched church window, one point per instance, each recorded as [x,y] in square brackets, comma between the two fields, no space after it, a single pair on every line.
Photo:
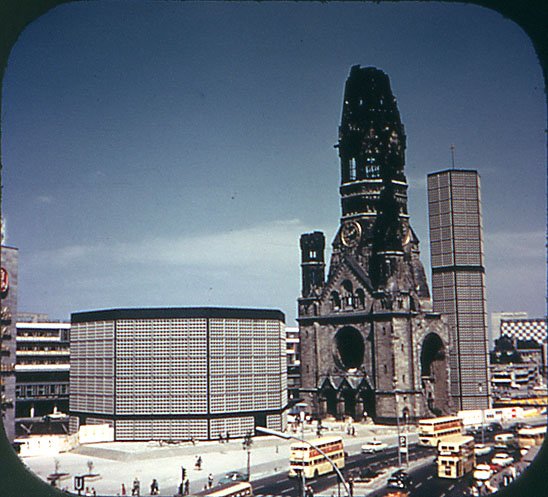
[348,294]
[360,298]
[335,301]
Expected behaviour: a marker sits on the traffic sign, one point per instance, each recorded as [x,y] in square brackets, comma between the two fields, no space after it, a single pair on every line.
[403,443]
[79,483]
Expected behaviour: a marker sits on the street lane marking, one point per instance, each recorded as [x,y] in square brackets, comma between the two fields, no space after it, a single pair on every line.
[287,490]
[451,487]
[418,484]
[429,477]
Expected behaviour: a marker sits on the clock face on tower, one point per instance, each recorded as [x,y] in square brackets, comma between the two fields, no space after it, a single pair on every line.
[351,233]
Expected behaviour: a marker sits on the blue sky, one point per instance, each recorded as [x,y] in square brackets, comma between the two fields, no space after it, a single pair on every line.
[171,154]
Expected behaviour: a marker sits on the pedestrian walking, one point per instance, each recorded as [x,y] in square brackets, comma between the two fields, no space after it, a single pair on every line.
[154,489]
[136,489]
[93,492]
[187,487]
[123,492]
[210,480]
[198,463]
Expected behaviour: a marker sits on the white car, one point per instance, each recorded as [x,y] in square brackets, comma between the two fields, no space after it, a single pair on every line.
[482,472]
[504,437]
[373,446]
[482,449]
[502,459]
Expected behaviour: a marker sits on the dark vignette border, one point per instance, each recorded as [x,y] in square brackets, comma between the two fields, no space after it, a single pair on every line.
[531,15]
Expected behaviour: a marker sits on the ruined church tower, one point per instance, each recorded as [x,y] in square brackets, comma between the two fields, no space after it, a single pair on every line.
[370,343]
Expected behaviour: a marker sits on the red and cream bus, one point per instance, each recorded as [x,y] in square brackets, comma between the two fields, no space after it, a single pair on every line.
[306,460]
[432,430]
[236,489]
[529,437]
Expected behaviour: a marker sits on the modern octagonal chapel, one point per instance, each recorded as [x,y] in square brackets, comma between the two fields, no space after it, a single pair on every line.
[370,342]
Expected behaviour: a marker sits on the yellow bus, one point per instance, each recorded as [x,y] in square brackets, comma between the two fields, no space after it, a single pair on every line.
[432,430]
[456,456]
[529,437]
[237,489]
[306,460]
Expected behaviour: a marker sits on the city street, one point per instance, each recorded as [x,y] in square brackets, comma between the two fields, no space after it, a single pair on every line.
[118,463]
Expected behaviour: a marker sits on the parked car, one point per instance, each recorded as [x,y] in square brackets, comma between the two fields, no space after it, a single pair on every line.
[495,467]
[502,459]
[403,476]
[394,482]
[233,476]
[482,449]
[482,472]
[373,446]
[504,437]
[494,426]
[518,426]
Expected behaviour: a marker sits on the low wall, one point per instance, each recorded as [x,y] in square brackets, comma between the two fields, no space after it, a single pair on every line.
[42,445]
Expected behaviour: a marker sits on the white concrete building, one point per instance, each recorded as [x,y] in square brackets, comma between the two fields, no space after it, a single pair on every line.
[179,373]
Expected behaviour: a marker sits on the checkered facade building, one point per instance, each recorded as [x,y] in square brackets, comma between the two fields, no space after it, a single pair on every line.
[524,329]
[178,373]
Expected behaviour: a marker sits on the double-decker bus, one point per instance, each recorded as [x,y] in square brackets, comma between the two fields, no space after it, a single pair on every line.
[432,430]
[305,461]
[529,437]
[237,489]
[456,456]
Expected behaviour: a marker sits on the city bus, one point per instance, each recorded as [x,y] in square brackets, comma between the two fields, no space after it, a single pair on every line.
[432,430]
[529,437]
[456,456]
[306,460]
[237,489]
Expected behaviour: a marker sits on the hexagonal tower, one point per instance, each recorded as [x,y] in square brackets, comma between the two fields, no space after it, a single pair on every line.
[370,343]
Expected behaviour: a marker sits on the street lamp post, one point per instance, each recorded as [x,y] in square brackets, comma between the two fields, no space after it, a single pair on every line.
[394,384]
[246,444]
[398,424]
[482,417]
[268,431]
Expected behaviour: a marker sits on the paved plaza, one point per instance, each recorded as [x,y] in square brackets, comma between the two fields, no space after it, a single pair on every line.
[121,462]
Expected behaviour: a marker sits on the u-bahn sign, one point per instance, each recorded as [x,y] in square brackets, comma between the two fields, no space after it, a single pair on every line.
[79,483]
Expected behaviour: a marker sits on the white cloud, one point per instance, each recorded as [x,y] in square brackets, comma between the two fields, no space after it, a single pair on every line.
[521,247]
[44,199]
[273,244]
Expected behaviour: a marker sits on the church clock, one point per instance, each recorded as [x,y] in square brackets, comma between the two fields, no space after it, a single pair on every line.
[351,233]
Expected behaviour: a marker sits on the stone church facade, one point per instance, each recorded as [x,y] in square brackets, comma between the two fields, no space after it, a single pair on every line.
[370,343]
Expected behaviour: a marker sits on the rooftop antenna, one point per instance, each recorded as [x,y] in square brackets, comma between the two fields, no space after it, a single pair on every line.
[453,156]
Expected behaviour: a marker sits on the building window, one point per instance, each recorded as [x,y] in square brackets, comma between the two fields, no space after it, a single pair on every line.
[352,171]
